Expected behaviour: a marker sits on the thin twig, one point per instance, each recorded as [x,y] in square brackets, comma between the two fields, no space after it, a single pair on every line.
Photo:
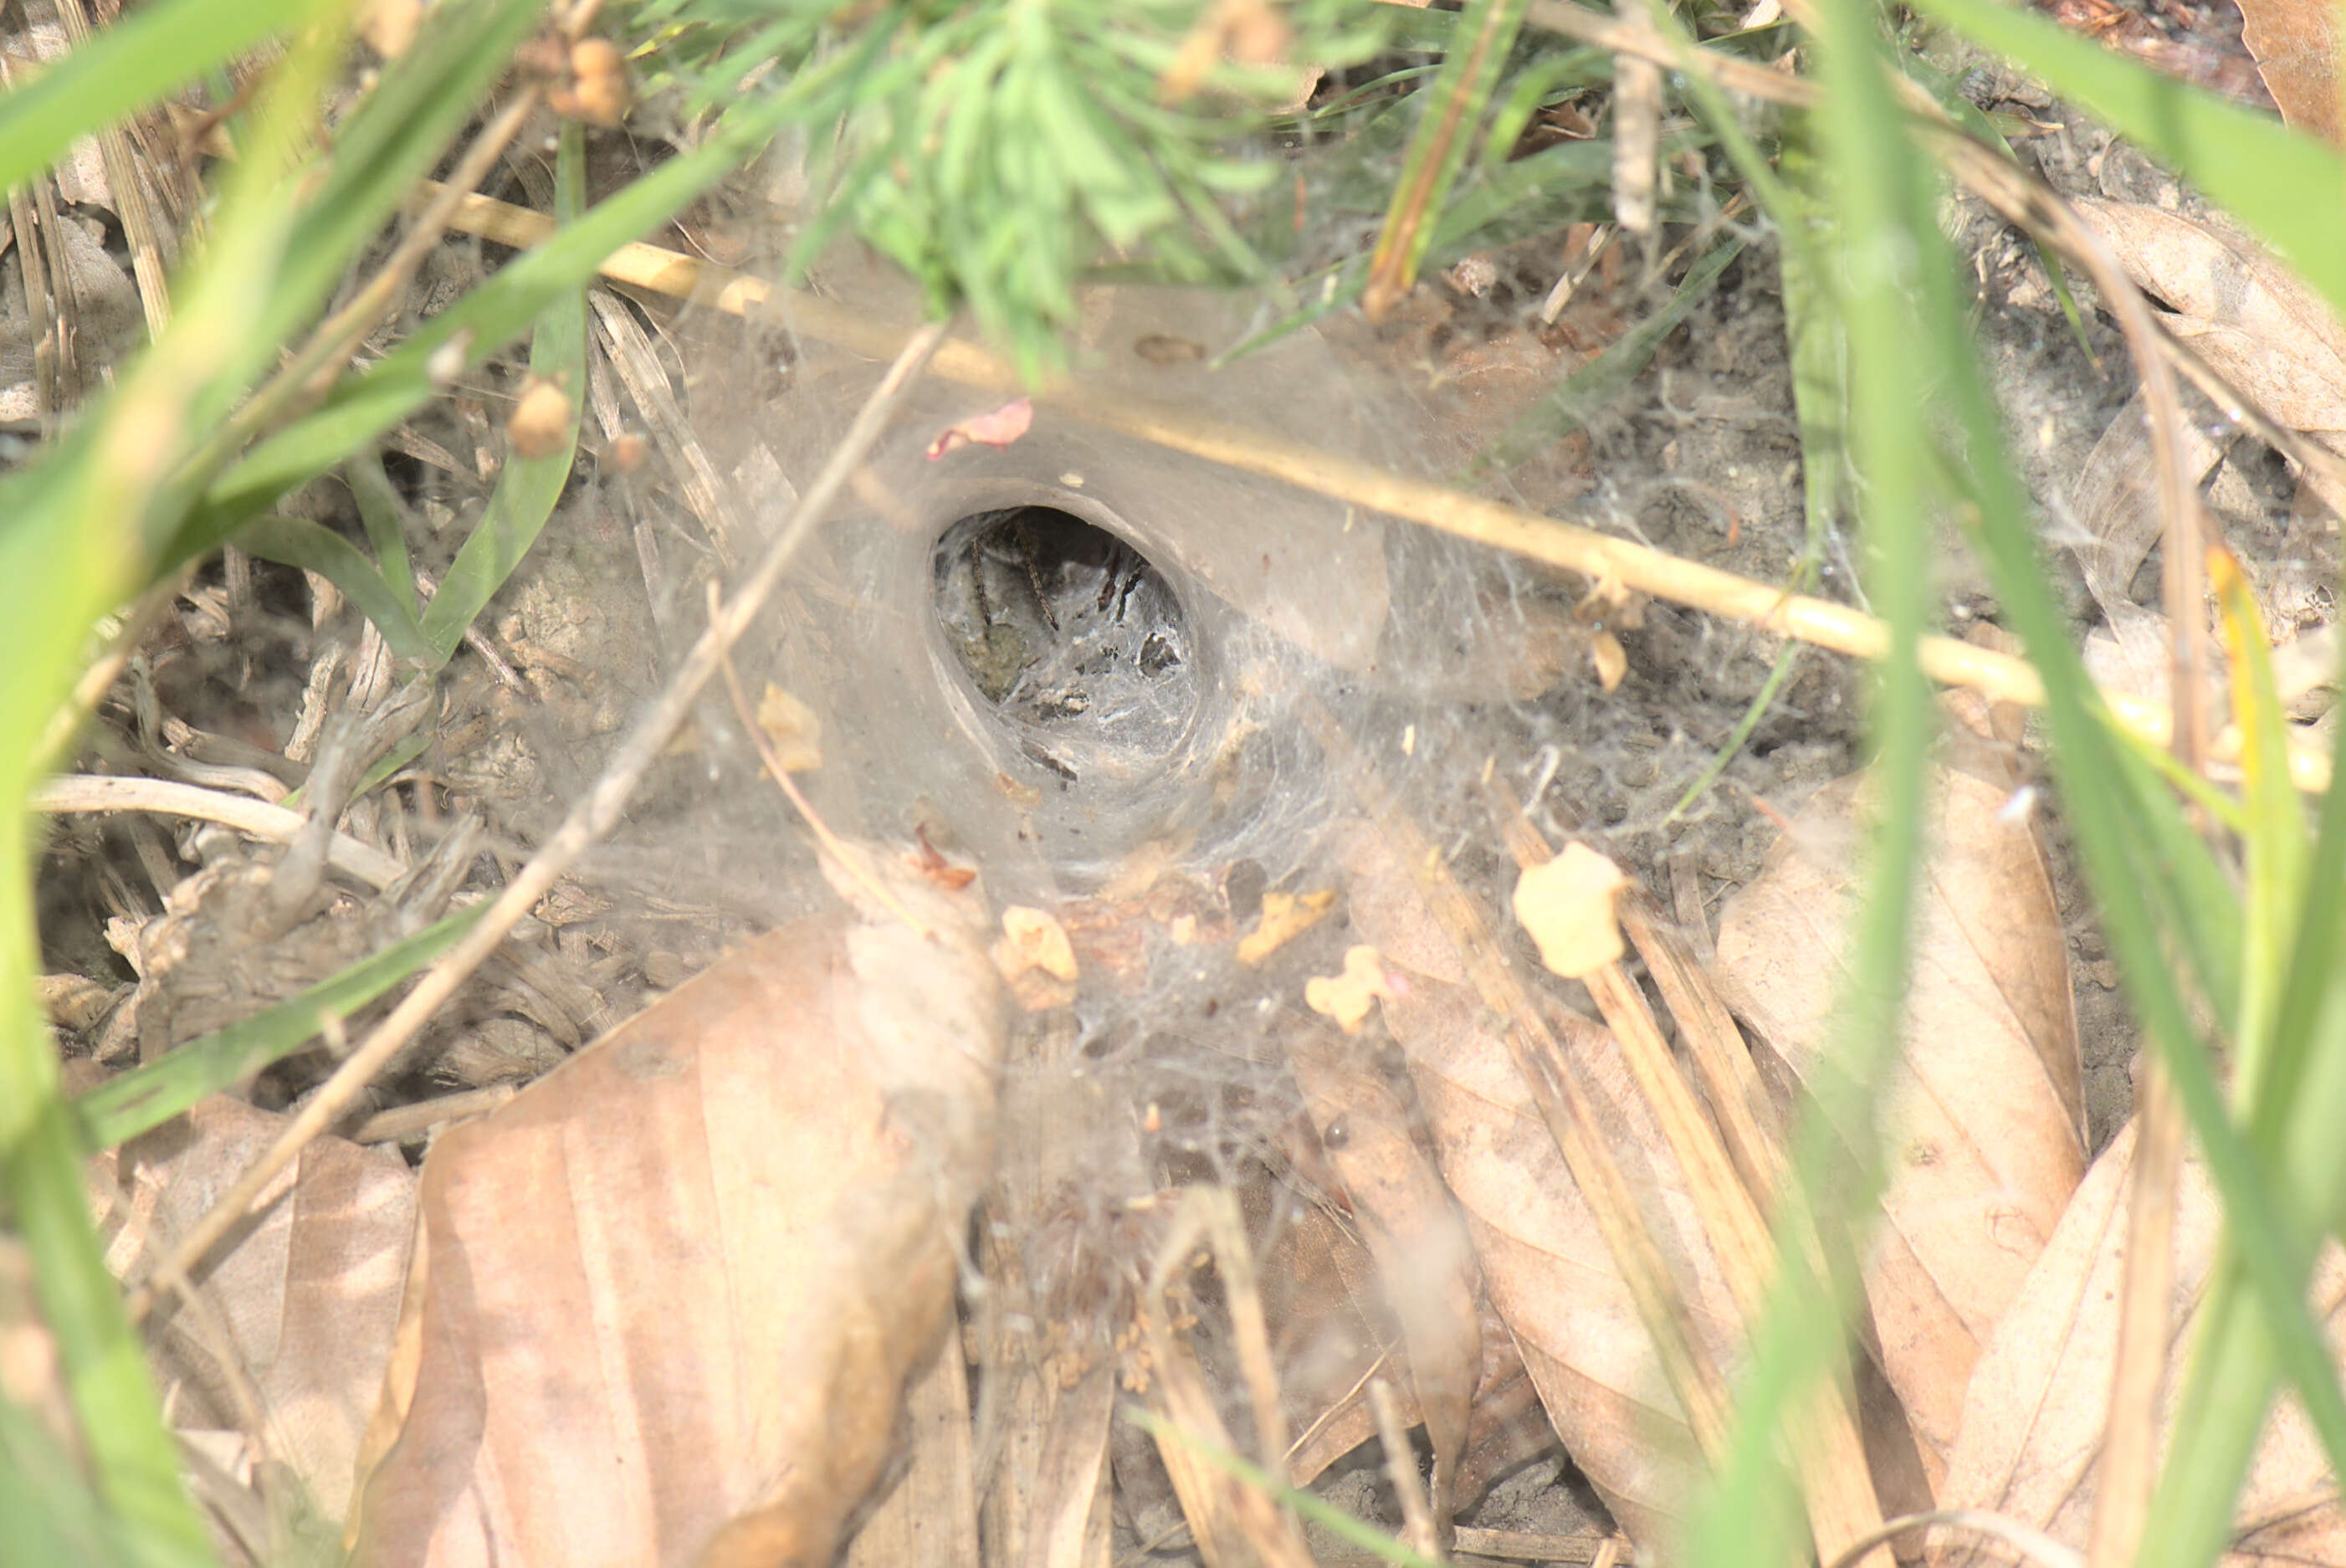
[102,792]
[403,1122]
[594,815]
[2033,1544]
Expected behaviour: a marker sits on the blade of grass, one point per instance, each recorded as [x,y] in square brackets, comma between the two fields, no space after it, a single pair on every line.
[2150,888]
[384,515]
[530,486]
[314,547]
[72,537]
[146,1096]
[1454,108]
[2273,835]
[153,50]
[2291,1084]
[1881,194]
[52,1515]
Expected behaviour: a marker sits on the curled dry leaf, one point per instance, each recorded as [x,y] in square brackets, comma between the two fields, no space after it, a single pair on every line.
[1984,1113]
[1566,905]
[1035,956]
[1424,1261]
[308,1297]
[1611,659]
[1033,939]
[2031,1424]
[1545,1262]
[997,427]
[669,1299]
[2255,321]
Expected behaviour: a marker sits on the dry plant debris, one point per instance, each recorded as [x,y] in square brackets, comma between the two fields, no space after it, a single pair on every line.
[1984,1116]
[732,1254]
[2033,1415]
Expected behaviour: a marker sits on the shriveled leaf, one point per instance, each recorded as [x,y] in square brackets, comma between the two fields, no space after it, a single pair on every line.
[673,1292]
[1984,1116]
[2295,42]
[2033,1423]
[1546,1263]
[308,1297]
[2259,325]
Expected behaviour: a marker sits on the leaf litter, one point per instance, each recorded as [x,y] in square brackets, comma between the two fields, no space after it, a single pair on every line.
[1178,1047]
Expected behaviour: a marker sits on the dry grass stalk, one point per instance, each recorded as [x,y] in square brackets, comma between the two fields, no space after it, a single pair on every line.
[1826,1446]
[1563,1107]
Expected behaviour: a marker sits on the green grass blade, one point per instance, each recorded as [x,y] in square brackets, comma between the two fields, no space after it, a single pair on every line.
[530,486]
[2149,889]
[1445,133]
[396,136]
[53,1516]
[135,1462]
[384,515]
[153,50]
[147,1097]
[2281,183]
[1895,268]
[2311,982]
[314,547]
[2273,837]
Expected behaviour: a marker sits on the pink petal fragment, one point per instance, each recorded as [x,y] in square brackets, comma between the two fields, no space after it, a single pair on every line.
[999,428]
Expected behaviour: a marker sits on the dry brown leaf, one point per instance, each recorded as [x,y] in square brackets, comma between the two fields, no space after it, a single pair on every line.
[308,1297]
[2255,322]
[2033,1423]
[1984,1115]
[671,1295]
[1424,1261]
[2295,42]
[1545,1262]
